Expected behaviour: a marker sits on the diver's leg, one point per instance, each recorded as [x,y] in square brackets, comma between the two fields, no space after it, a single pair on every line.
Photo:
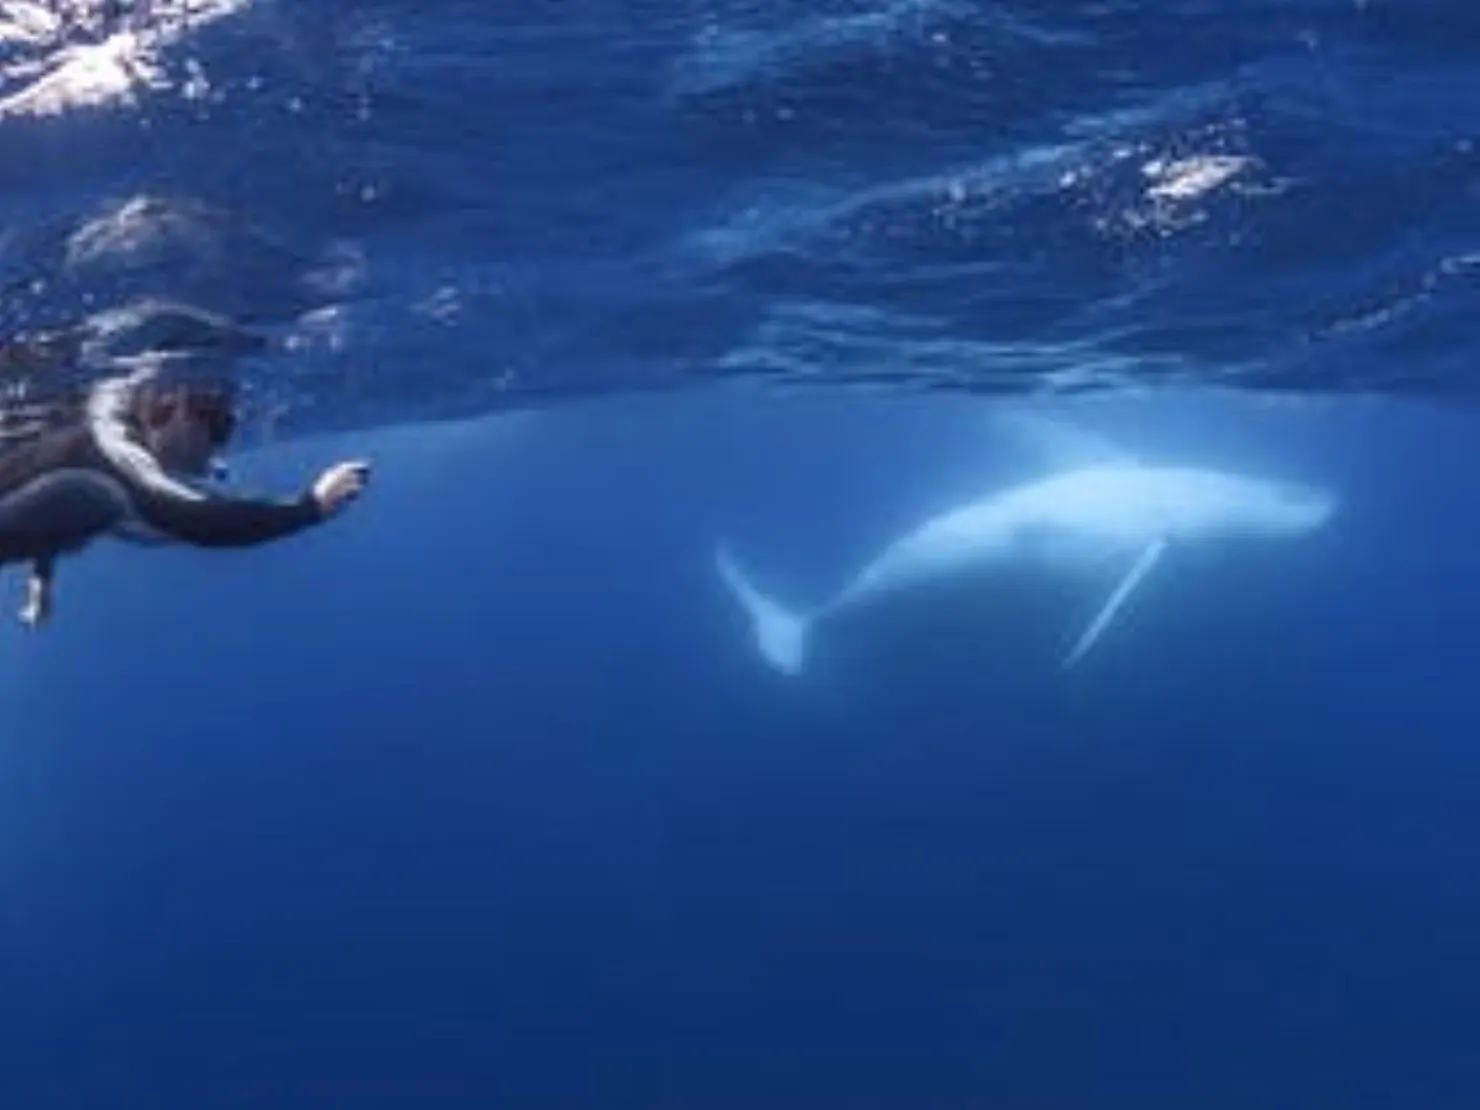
[37,610]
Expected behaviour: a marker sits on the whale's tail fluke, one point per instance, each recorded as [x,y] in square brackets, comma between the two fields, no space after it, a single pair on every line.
[780,635]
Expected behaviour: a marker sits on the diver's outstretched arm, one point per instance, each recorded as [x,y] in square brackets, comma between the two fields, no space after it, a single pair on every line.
[213,521]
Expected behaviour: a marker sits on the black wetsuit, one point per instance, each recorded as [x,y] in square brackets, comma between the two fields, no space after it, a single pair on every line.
[63,489]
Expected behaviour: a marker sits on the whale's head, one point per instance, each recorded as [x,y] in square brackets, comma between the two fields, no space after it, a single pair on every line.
[1292,508]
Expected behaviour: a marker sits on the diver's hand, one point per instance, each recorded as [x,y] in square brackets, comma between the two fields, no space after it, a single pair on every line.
[339,485]
[37,610]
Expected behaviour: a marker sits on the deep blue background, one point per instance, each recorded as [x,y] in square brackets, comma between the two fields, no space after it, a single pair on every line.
[480,795]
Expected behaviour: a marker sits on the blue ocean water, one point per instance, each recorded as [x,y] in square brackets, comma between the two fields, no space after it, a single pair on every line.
[482,795]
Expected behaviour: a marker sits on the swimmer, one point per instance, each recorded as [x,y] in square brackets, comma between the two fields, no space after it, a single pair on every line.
[129,469]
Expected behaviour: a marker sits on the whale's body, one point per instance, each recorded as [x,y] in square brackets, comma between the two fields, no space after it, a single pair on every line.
[1084,516]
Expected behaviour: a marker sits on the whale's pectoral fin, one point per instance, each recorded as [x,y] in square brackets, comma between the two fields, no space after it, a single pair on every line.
[1113,604]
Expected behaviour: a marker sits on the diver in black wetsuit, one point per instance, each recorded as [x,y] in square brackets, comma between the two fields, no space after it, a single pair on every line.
[123,470]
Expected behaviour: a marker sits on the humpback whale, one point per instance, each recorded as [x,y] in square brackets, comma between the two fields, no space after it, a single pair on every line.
[1114,510]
